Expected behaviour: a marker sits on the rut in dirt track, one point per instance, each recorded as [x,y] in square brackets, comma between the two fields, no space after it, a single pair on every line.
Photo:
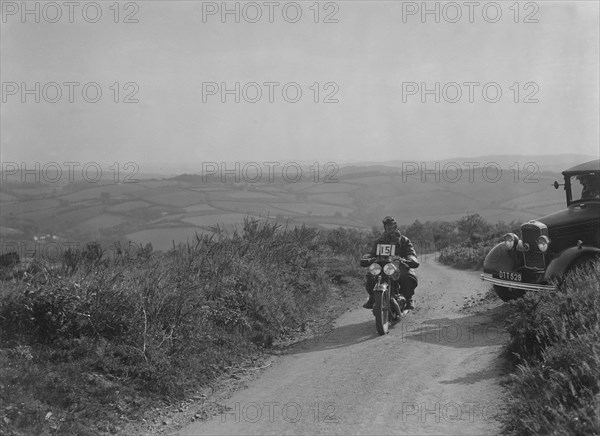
[436,372]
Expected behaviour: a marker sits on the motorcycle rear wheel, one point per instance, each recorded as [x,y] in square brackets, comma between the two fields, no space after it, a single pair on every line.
[381,312]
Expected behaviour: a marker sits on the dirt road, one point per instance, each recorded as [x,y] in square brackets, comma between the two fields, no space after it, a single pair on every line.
[436,372]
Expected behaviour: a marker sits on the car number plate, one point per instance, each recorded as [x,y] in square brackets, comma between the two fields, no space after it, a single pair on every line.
[511,276]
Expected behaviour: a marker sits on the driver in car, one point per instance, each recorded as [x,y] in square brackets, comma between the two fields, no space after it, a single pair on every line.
[591,186]
[404,248]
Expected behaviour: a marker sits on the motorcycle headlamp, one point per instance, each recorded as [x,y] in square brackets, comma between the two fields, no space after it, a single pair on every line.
[390,269]
[375,269]
[542,243]
[511,240]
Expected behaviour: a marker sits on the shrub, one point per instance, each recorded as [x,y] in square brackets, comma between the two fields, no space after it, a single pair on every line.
[165,320]
[555,343]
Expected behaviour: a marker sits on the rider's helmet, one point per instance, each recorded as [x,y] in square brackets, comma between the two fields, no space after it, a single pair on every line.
[390,220]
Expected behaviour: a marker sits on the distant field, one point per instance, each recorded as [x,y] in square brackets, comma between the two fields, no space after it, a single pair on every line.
[536,200]
[23,207]
[4,197]
[179,199]
[453,203]
[341,198]
[200,208]
[297,186]
[159,183]
[34,189]
[321,187]
[220,188]
[314,209]
[168,218]
[361,198]
[379,192]
[40,215]
[128,206]
[327,221]
[147,194]
[80,215]
[95,191]
[104,221]
[246,195]
[162,239]
[212,220]
[254,208]
[373,180]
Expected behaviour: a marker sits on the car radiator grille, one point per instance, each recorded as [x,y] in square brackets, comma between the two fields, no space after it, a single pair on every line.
[533,257]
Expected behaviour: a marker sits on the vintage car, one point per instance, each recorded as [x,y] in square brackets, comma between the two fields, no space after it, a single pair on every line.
[552,246]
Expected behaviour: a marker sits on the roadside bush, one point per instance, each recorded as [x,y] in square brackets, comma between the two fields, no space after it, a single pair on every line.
[466,255]
[167,321]
[555,345]
[158,325]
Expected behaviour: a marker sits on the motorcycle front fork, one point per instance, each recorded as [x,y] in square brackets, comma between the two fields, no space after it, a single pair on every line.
[381,287]
[397,300]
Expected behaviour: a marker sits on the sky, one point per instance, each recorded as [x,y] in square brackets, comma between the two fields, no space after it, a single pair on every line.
[344,81]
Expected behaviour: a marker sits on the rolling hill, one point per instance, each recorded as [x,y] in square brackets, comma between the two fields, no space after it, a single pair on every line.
[170,210]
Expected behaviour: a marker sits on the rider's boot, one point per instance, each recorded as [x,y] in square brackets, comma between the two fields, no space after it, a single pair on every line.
[370,302]
[409,304]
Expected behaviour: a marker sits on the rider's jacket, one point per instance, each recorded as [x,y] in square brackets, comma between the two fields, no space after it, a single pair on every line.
[404,248]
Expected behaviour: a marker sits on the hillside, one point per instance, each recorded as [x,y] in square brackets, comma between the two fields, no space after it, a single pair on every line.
[171,210]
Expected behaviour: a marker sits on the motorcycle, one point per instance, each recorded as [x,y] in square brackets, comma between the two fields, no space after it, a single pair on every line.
[389,305]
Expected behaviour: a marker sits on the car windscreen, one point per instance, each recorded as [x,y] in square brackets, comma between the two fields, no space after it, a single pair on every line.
[585,186]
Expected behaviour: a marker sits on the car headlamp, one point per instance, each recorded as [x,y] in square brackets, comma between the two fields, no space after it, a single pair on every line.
[375,269]
[511,240]
[542,243]
[390,269]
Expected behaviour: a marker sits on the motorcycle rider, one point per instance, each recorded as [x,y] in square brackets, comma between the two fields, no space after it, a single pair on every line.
[404,248]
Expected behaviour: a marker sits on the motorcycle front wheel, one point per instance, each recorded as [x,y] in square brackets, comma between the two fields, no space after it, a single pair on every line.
[381,312]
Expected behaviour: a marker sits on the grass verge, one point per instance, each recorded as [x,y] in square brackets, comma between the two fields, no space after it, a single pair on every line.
[555,349]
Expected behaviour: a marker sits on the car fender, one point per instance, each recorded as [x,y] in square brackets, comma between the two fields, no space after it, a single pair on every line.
[499,258]
[560,264]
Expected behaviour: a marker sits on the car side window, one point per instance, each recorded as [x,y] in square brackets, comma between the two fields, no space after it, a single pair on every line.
[589,184]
